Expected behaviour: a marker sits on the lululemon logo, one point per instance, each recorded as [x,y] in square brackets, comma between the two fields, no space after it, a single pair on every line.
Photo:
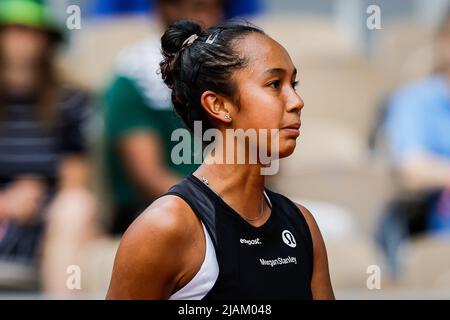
[289,239]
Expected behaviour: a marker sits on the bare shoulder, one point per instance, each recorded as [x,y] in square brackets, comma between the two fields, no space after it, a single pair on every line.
[312,224]
[168,219]
[155,251]
[316,235]
[168,212]
[320,282]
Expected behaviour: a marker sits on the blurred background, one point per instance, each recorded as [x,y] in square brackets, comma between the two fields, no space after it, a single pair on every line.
[85,127]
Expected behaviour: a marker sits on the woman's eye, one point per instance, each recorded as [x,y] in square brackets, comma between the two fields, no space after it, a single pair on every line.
[295,84]
[274,84]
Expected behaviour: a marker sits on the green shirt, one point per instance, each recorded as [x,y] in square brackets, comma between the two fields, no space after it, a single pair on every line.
[127,110]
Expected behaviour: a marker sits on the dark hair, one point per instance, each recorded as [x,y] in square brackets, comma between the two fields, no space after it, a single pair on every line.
[206,64]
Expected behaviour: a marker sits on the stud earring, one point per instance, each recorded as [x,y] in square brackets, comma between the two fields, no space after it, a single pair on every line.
[227,116]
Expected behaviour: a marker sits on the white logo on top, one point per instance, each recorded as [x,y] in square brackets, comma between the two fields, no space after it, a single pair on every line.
[251,242]
[289,239]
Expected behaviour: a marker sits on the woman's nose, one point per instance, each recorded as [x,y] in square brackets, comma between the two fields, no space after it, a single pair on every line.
[295,102]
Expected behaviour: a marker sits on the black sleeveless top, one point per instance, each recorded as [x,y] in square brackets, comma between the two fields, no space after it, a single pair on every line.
[273,261]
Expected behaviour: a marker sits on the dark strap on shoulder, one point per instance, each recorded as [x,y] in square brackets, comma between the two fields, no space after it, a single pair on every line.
[199,202]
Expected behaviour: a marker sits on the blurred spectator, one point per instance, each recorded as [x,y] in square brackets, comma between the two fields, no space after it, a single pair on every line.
[42,122]
[418,130]
[233,8]
[139,119]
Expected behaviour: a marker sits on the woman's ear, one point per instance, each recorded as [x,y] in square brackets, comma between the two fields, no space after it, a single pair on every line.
[217,106]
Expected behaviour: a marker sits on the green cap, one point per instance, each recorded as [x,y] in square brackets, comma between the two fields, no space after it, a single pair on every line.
[32,13]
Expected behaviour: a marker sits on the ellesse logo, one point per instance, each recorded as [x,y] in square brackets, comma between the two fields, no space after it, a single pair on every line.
[289,238]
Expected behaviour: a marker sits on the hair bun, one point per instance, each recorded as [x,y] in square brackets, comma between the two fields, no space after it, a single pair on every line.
[174,37]
[171,43]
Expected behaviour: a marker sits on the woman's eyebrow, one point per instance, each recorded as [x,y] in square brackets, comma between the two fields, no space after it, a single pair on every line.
[279,71]
[275,71]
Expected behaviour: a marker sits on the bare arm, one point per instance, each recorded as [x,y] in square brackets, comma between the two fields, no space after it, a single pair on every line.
[141,154]
[24,196]
[426,171]
[153,255]
[22,199]
[321,282]
[74,172]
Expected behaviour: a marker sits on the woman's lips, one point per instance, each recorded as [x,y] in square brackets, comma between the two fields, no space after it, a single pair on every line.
[293,129]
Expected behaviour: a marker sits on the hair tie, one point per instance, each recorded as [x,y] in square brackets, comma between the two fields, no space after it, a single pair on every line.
[189,41]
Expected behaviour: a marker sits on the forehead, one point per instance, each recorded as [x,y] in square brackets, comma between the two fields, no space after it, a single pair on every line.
[262,53]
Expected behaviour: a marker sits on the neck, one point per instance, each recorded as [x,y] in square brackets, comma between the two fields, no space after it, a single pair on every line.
[240,185]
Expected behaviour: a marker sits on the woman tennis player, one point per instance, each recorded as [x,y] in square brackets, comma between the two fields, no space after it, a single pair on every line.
[219,233]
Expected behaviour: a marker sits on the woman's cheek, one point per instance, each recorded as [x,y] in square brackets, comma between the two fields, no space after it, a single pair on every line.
[263,107]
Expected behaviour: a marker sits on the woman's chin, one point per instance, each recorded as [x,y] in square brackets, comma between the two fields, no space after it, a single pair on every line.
[287,148]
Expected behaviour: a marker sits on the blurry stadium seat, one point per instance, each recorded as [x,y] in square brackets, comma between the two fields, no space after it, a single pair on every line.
[346,91]
[349,261]
[362,190]
[427,262]
[16,277]
[325,143]
[90,59]
[403,52]
[309,36]
[443,281]
[335,222]
[97,264]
